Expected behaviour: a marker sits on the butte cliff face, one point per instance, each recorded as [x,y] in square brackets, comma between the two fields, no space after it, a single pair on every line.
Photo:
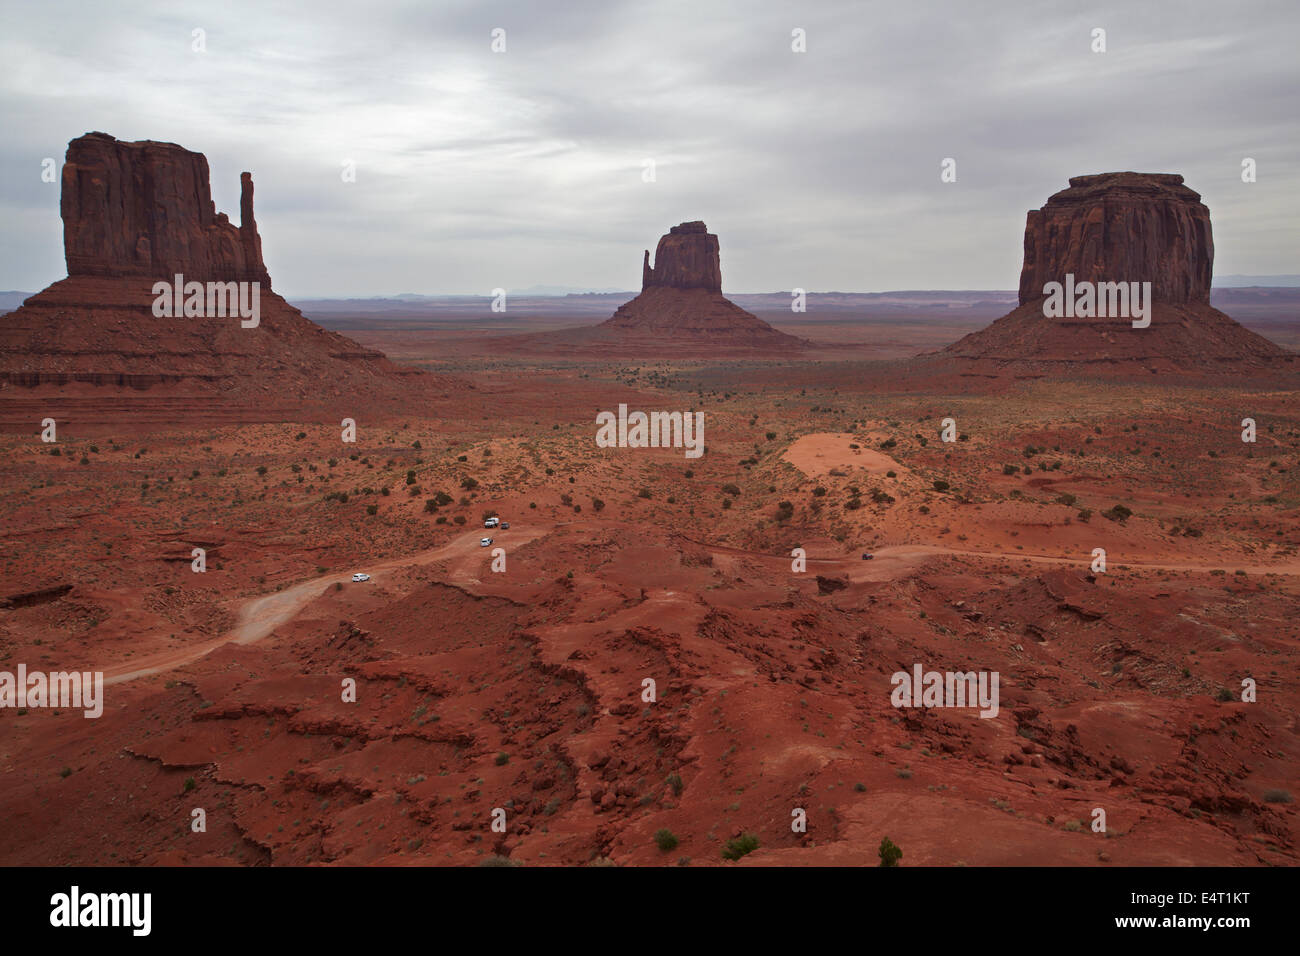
[686,258]
[135,214]
[146,209]
[681,300]
[1120,228]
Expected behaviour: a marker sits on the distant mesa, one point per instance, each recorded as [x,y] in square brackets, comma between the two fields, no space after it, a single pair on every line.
[135,214]
[1120,228]
[681,299]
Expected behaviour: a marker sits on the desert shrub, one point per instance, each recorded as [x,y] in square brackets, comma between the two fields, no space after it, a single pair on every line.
[430,506]
[644,493]
[468,483]
[597,504]
[730,489]
[889,852]
[1117,513]
[941,485]
[372,509]
[1277,796]
[740,846]
[819,492]
[665,840]
[502,759]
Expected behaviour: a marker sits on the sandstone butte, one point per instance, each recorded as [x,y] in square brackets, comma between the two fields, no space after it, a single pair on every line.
[1121,227]
[135,213]
[681,299]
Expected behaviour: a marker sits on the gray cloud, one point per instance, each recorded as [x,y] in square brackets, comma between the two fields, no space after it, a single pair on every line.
[819,170]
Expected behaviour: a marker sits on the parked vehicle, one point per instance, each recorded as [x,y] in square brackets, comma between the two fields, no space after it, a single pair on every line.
[867,555]
[359,577]
[492,522]
[505,525]
[484,542]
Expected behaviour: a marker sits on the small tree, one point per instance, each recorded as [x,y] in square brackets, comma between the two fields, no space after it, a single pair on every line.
[890,854]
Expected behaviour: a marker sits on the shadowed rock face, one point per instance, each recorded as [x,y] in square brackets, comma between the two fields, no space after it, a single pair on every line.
[138,213]
[686,258]
[146,209]
[1122,227]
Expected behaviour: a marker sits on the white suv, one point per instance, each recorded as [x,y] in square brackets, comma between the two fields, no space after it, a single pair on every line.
[359,577]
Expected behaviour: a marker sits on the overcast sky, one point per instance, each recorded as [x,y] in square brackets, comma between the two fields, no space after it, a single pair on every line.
[820,170]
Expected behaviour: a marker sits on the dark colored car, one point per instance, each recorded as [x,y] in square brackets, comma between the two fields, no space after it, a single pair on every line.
[867,555]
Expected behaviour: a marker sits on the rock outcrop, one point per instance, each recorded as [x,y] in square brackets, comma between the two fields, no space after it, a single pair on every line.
[681,299]
[146,209]
[139,213]
[1122,227]
[1110,228]
[686,258]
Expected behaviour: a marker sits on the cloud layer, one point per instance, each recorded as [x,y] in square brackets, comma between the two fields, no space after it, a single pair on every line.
[820,170]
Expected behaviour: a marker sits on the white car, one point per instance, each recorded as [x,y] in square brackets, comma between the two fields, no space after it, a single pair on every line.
[359,577]
[491,522]
[484,542]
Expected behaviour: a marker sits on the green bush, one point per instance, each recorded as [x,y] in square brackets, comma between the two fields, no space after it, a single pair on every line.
[665,840]
[890,854]
[740,846]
